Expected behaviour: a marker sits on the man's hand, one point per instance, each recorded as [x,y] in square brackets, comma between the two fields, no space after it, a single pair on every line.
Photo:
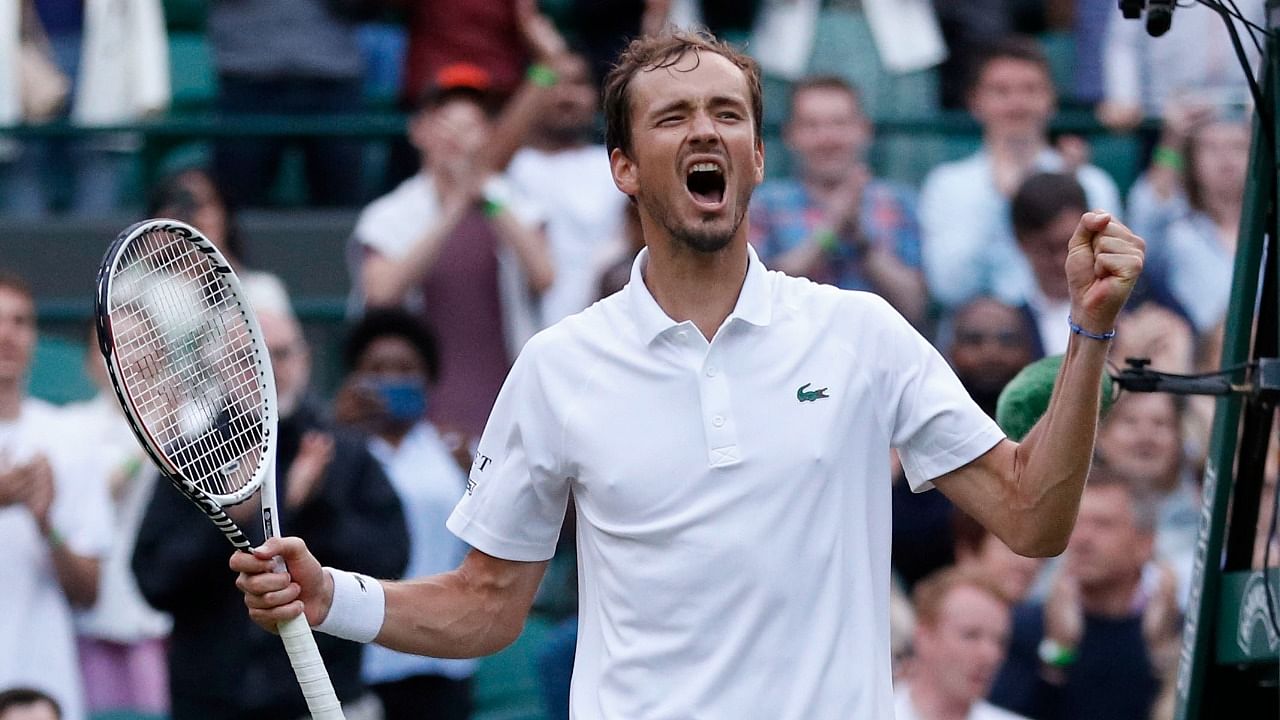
[40,492]
[1104,260]
[306,472]
[15,485]
[540,34]
[274,597]
[844,210]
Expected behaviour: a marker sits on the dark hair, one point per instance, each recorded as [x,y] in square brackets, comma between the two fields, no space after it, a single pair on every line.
[1041,198]
[23,696]
[173,192]
[15,282]
[1011,47]
[824,82]
[663,51]
[391,322]
[1143,504]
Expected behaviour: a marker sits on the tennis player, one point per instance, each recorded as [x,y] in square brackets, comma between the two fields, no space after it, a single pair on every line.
[725,433]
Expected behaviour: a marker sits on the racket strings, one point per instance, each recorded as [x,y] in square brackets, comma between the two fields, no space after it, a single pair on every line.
[186,352]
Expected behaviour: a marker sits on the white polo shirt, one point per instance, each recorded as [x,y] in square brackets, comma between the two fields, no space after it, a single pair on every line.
[733,497]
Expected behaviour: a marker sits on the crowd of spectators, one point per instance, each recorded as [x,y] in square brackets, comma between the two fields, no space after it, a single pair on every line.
[499,217]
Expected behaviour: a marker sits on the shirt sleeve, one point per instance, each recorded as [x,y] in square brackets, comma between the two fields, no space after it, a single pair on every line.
[517,492]
[936,426]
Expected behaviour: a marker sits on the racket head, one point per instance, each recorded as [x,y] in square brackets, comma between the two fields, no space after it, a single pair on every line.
[187,360]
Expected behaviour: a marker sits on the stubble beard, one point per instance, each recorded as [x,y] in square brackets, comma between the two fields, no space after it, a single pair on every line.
[702,236]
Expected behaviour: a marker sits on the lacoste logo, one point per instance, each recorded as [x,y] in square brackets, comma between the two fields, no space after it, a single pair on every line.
[804,394]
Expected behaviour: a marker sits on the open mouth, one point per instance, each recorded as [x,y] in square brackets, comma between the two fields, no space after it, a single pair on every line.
[705,181]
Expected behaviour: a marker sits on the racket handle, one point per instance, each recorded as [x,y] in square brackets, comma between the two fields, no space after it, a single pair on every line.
[322,702]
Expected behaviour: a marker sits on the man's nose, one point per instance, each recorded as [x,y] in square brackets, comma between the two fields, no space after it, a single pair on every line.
[703,129]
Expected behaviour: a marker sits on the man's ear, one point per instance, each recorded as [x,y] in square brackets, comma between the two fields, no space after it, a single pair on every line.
[759,162]
[624,172]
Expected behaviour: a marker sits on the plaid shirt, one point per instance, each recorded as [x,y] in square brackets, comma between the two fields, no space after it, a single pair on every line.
[784,217]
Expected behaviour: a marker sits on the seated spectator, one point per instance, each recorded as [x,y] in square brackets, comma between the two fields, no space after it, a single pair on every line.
[988,343]
[969,246]
[121,639]
[979,550]
[1142,439]
[1044,212]
[459,246]
[286,57]
[545,141]
[194,197]
[1099,646]
[333,495]
[55,521]
[961,631]
[834,222]
[391,360]
[28,704]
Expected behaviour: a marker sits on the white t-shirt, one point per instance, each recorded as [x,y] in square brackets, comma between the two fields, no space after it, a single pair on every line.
[981,710]
[733,497]
[584,213]
[37,644]
[428,482]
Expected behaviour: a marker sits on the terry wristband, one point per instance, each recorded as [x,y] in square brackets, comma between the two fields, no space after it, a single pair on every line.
[541,75]
[357,609]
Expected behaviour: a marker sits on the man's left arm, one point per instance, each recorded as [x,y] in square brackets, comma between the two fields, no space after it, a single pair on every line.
[1028,493]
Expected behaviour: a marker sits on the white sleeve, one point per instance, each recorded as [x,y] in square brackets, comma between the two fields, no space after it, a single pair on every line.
[1120,61]
[948,240]
[517,492]
[936,426]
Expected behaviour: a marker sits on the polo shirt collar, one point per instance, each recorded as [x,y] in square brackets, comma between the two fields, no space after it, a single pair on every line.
[755,301]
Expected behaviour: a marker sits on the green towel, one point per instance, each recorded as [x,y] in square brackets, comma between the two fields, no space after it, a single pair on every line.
[1026,397]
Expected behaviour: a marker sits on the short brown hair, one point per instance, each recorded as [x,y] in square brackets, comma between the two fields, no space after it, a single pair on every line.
[931,592]
[1012,47]
[13,281]
[662,51]
[1041,198]
[824,82]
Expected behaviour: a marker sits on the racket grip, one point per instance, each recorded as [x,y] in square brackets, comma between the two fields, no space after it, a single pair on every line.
[308,667]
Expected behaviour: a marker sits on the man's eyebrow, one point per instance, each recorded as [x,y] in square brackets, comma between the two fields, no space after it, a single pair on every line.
[681,104]
[685,104]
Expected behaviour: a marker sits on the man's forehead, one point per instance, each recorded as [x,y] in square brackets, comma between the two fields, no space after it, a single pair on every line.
[694,74]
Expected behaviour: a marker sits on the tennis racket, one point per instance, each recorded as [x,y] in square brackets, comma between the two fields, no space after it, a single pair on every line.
[190,368]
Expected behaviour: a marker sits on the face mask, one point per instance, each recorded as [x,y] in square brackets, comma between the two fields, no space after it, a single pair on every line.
[404,399]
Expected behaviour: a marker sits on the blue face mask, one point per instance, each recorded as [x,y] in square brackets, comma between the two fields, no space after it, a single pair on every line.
[405,399]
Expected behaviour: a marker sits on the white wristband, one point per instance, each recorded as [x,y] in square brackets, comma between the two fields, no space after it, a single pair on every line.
[357,609]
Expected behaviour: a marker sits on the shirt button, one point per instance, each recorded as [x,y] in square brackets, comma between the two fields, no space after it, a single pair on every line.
[711,371]
[718,421]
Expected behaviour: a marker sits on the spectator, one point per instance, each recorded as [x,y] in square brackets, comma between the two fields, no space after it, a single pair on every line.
[121,638]
[961,631]
[194,197]
[286,57]
[545,141]
[55,521]
[460,246]
[1100,644]
[981,551]
[390,360]
[834,223]
[988,343]
[28,704]
[1142,439]
[333,494]
[964,206]
[1194,260]
[1040,210]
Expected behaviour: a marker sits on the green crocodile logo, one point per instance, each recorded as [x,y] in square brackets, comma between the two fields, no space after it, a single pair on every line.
[806,395]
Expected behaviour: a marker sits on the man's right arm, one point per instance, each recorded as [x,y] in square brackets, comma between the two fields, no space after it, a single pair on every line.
[474,610]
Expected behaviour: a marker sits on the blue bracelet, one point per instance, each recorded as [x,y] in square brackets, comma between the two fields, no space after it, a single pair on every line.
[1096,336]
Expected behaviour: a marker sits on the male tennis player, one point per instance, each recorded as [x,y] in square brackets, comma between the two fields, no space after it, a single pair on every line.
[725,433]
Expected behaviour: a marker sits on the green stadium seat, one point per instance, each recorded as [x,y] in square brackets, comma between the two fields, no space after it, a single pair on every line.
[192,75]
[57,371]
[1060,48]
[186,15]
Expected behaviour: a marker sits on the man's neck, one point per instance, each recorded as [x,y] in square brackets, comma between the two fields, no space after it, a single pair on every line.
[1110,599]
[1012,158]
[11,396]
[821,188]
[932,704]
[694,286]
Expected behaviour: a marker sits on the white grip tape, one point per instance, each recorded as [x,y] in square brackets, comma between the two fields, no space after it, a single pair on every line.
[357,609]
[308,667]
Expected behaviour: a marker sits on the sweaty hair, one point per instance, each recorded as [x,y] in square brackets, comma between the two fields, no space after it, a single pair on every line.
[1041,198]
[391,322]
[931,592]
[1012,47]
[22,697]
[664,51]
